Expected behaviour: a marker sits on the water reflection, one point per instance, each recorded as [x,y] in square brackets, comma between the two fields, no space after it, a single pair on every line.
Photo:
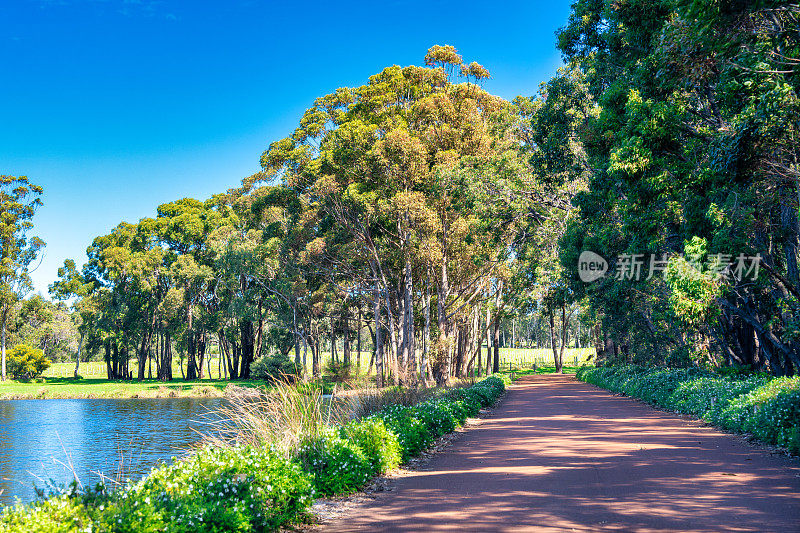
[39,439]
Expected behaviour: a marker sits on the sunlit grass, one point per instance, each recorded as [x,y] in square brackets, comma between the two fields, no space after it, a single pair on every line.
[103,388]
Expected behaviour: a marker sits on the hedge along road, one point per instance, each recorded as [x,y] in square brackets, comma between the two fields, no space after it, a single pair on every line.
[561,455]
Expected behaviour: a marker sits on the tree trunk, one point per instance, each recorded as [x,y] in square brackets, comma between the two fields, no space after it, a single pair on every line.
[248,345]
[3,343]
[496,324]
[141,357]
[315,370]
[334,357]
[358,342]
[376,313]
[426,334]
[444,326]
[346,355]
[553,343]
[488,341]
[409,357]
[564,324]
[201,353]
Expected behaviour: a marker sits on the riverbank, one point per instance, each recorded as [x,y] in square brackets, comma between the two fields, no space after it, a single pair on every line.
[82,388]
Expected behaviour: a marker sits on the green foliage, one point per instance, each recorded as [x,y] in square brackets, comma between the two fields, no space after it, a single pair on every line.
[26,362]
[412,434]
[59,514]
[338,466]
[767,408]
[690,151]
[228,489]
[273,368]
[379,445]
[338,371]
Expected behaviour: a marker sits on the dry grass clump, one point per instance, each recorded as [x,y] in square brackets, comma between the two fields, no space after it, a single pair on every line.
[280,417]
[285,415]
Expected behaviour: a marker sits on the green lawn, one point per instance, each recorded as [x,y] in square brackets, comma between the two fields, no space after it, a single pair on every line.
[103,388]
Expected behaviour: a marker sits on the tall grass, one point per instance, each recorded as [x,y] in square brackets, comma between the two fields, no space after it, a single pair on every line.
[287,414]
[280,417]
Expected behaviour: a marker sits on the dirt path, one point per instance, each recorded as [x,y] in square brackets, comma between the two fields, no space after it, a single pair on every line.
[560,455]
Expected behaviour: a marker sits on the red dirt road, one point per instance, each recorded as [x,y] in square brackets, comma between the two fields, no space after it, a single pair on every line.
[561,455]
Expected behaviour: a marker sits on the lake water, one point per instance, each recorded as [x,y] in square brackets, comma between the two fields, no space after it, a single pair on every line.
[98,435]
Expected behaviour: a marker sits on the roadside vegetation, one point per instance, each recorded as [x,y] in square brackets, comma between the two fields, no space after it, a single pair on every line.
[254,477]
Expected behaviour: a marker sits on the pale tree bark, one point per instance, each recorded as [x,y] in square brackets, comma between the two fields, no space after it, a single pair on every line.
[409,357]
[553,343]
[376,313]
[426,335]
[3,342]
[358,341]
[443,323]
[488,340]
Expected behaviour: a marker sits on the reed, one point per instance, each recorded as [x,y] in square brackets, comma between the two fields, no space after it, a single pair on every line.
[280,417]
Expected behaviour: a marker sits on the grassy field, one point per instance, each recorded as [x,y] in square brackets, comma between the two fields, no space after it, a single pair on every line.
[103,388]
[57,381]
[525,358]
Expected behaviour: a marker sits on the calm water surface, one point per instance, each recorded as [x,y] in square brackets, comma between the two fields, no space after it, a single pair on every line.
[96,435]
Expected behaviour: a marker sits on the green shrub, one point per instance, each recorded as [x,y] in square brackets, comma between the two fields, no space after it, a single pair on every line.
[770,412]
[338,466]
[412,434]
[26,362]
[338,371]
[437,416]
[227,489]
[59,514]
[274,368]
[380,446]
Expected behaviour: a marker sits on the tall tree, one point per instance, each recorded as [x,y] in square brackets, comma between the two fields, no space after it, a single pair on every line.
[19,200]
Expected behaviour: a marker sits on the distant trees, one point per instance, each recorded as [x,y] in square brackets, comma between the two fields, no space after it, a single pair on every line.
[415,183]
[19,200]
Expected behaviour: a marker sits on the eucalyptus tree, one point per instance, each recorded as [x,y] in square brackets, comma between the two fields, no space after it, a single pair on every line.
[403,166]
[19,200]
[71,285]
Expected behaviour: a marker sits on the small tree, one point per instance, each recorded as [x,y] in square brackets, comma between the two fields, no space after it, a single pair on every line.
[26,362]
[19,200]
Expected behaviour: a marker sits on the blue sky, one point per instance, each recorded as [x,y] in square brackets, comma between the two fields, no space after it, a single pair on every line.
[117,106]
